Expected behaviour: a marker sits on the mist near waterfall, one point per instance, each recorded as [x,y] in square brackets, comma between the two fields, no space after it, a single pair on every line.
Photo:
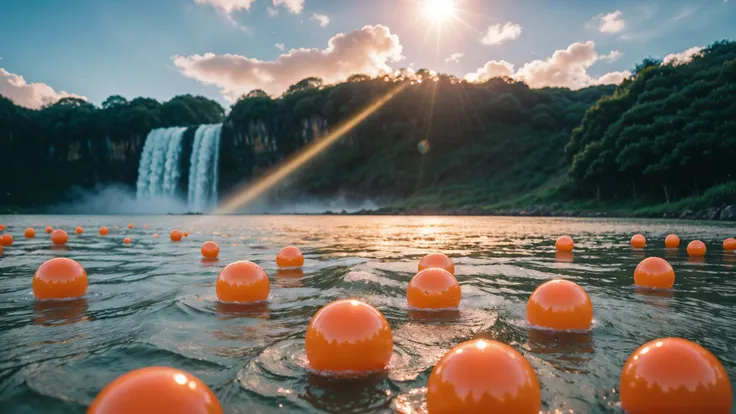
[118,199]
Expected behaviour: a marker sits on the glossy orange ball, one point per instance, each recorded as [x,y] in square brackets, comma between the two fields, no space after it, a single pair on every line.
[210,249]
[59,237]
[49,229]
[29,233]
[79,230]
[186,234]
[348,337]
[654,272]
[156,390]
[433,289]
[437,260]
[672,241]
[674,376]
[729,244]
[243,282]
[130,226]
[176,235]
[559,304]
[60,278]
[696,248]
[290,256]
[483,376]
[127,240]
[103,231]
[638,241]
[565,244]
[6,240]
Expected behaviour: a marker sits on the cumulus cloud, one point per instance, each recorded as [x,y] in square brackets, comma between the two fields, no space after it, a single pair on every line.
[321,19]
[294,6]
[367,51]
[611,22]
[682,57]
[228,6]
[280,46]
[31,95]
[612,78]
[455,57]
[492,69]
[612,56]
[499,33]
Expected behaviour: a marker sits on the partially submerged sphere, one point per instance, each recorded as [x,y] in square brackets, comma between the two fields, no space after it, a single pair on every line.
[59,237]
[565,244]
[210,250]
[103,231]
[60,278]
[433,289]
[29,233]
[243,282]
[175,235]
[437,260]
[638,241]
[654,272]
[729,244]
[672,241]
[290,256]
[79,230]
[6,240]
[559,304]
[696,248]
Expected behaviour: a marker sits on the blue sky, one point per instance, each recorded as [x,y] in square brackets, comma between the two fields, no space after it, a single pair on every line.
[97,48]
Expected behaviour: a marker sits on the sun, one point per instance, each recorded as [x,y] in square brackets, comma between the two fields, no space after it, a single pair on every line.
[440,11]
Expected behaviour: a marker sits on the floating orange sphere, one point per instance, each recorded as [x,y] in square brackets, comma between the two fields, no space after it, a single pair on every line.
[79,230]
[348,337]
[30,233]
[559,304]
[696,248]
[433,289]
[2,227]
[674,376]
[60,278]
[729,244]
[49,229]
[243,282]
[672,241]
[59,236]
[130,226]
[565,244]
[156,390]
[437,260]
[175,235]
[290,256]
[638,241]
[186,234]
[6,240]
[483,376]
[103,231]
[145,226]
[155,235]
[127,240]
[210,249]
[654,272]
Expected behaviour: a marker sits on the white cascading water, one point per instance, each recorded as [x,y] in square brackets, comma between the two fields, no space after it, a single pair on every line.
[203,168]
[158,173]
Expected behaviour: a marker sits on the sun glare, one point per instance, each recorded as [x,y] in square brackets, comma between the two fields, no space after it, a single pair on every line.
[440,10]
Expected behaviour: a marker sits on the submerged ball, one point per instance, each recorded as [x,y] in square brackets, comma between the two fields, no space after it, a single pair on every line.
[729,244]
[59,237]
[156,390]
[672,241]
[290,256]
[654,272]
[243,282]
[79,230]
[6,240]
[29,233]
[696,248]
[49,229]
[565,244]
[210,249]
[60,278]
[674,376]
[437,260]
[638,241]
[348,337]
[127,240]
[559,304]
[175,235]
[103,231]
[483,376]
[433,289]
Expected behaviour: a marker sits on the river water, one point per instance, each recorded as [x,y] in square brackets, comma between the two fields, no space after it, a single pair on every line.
[153,303]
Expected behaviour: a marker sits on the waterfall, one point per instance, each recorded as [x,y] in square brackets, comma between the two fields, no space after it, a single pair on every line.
[158,172]
[204,166]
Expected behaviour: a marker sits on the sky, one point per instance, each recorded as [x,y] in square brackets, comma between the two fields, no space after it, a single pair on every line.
[222,49]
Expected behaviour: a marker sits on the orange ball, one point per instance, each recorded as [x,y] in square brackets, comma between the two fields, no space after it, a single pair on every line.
[348,337]
[103,231]
[155,235]
[145,226]
[672,241]
[654,272]
[127,240]
[175,235]
[559,304]
[483,376]
[186,234]
[30,233]
[6,240]
[2,227]
[290,256]
[130,226]
[49,229]
[59,278]
[210,249]
[638,241]
[243,282]
[564,244]
[437,260]
[156,390]
[59,236]
[696,248]
[674,376]
[433,289]
[79,230]
[729,244]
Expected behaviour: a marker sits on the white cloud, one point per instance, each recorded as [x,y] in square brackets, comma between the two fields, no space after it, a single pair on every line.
[682,57]
[280,46]
[611,22]
[273,12]
[612,56]
[492,69]
[228,6]
[498,33]
[31,95]
[367,51]
[294,6]
[322,19]
[612,78]
[455,57]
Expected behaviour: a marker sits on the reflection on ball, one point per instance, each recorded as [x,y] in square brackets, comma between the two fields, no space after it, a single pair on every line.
[49,229]
[654,272]
[559,304]
[79,230]
[348,337]
[210,250]
[104,231]
[175,235]
[243,282]
[30,233]
[696,248]
[59,237]
[483,376]
[729,244]
[290,256]
[672,241]
[127,240]
[674,376]
[437,260]
[638,241]
[433,289]
[156,390]
[564,244]
[59,278]
[6,240]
